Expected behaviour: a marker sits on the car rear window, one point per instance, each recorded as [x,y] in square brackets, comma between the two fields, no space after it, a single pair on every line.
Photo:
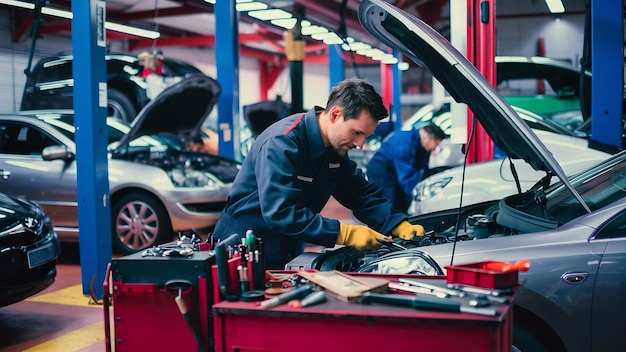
[55,71]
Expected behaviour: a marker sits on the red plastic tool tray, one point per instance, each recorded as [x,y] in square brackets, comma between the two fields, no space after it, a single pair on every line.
[477,274]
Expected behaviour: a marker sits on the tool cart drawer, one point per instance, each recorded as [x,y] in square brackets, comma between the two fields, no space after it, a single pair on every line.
[146,316]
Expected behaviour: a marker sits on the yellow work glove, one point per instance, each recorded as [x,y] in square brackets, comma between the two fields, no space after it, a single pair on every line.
[406,231]
[360,237]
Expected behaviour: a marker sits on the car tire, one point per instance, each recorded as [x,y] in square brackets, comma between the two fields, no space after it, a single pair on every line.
[120,106]
[139,221]
[526,340]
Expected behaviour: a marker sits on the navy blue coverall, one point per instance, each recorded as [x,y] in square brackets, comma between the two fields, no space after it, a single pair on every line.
[398,166]
[286,180]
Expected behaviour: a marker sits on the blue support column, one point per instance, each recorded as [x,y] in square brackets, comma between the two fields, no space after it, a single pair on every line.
[90,101]
[227,62]
[336,70]
[607,55]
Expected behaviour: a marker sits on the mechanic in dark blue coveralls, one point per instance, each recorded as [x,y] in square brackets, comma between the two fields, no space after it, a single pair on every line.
[401,162]
[294,167]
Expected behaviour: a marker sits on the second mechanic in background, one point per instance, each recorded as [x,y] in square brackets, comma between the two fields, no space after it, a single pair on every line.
[401,162]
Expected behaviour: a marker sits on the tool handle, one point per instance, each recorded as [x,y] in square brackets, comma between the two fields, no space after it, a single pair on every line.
[394,299]
[295,293]
[427,303]
[223,279]
[313,298]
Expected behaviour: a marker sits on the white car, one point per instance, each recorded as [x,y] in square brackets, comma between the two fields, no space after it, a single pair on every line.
[494,179]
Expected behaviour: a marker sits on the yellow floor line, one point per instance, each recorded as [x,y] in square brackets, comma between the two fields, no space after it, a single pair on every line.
[72,295]
[73,341]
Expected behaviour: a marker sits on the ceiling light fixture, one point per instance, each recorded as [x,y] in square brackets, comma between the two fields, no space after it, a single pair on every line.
[270,14]
[555,6]
[286,23]
[250,6]
[68,15]
[356,46]
[322,36]
[116,27]
[333,41]
[314,29]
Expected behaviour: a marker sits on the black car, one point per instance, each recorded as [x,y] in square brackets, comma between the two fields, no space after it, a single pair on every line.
[29,249]
[50,84]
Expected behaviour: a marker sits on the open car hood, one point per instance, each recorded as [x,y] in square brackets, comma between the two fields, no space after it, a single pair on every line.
[428,48]
[179,110]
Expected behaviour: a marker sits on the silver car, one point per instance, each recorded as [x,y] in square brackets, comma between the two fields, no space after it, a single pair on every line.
[573,231]
[157,187]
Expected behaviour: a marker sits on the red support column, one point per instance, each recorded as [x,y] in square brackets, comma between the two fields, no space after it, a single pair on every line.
[481,52]
[386,82]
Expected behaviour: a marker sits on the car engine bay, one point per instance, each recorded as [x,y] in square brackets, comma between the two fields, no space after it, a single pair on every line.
[185,169]
[474,222]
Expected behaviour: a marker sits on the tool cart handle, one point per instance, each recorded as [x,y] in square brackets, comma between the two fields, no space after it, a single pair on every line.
[105,303]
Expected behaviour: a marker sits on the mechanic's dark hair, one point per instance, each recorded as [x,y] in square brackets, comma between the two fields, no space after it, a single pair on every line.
[435,132]
[354,95]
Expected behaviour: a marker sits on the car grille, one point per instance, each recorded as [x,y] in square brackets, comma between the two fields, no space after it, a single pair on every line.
[24,238]
[15,268]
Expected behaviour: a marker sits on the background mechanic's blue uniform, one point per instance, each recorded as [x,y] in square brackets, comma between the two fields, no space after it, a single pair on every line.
[398,166]
[292,175]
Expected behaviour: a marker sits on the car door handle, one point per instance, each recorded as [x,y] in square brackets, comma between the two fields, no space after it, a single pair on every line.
[574,278]
[5,174]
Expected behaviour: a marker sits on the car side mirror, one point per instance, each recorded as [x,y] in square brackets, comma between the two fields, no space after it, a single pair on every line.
[57,152]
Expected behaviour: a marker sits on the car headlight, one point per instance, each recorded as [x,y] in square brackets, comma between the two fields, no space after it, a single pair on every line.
[430,188]
[192,178]
[414,261]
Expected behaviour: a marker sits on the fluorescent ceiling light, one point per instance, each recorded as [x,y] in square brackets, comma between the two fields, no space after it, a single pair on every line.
[356,46]
[370,52]
[250,6]
[403,66]
[131,30]
[286,23]
[555,6]
[270,14]
[57,13]
[313,30]
[322,36]
[21,4]
[332,41]
[389,60]
[68,15]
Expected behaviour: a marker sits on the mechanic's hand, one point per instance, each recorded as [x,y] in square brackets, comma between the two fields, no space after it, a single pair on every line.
[360,237]
[406,231]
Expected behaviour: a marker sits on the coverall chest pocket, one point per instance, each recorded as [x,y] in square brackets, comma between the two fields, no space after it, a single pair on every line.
[307,186]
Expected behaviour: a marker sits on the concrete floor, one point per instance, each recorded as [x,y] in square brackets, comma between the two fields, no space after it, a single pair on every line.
[62,319]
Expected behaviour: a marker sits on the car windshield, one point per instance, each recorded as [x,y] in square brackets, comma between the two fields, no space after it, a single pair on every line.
[116,129]
[598,186]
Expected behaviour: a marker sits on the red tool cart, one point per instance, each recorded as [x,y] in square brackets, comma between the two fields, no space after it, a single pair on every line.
[160,303]
[339,325]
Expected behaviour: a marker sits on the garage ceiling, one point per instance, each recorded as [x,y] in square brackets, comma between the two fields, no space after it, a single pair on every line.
[192,22]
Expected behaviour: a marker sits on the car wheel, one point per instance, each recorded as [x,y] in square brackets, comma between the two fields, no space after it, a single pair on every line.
[139,221]
[120,106]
